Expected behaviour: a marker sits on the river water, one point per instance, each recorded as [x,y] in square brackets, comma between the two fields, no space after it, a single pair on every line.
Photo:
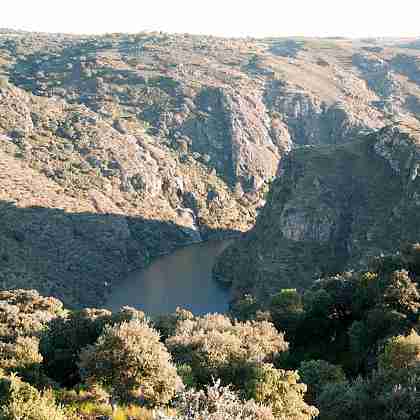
[179,279]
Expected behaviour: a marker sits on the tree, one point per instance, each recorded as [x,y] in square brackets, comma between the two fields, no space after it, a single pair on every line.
[129,360]
[245,308]
[216,347]
[66,336]
[366,335]
[64,339]
[166,324]
[402,294]
[281,390]
[286,309]
[386,395]
[316,374]
[401,352]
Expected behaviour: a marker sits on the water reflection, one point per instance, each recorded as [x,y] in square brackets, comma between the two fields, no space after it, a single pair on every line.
[180,279]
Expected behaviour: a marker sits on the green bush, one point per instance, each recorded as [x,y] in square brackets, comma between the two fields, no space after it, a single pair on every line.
[66,336]
[129,360]
[286,308]
[166,324]
[401,352]
[216,347]
[316,374]
[216,403]
[64,339]
[20,401]
[280,390]
[387,395]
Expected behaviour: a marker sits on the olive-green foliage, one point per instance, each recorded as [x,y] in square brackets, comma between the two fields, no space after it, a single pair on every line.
[321,332]
[316,374]
[166,324]
[216,403]
[25,313]
[402,294]
[286,308]
[355,311]
[245,308]
[22,357]
[401,352]
[215,346]
[387,395]
[20,401]
[281,390]
[23,316]
[129,359]
[366,335]
[67,335]
[64,339]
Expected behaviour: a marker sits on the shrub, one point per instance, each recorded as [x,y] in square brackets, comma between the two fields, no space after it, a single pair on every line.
[366,335]
[216,403]
[22,357]
[129,360]
[20,401]
[387,395]
[316,374]
[23,316]
[64,339]
[402,294]
[401,352]
[280,390]
[66,336]
[286,309]
[215,346]
[166,324]
[245,308]
[25,313]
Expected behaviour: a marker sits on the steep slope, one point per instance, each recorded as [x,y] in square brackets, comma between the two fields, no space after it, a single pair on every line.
[329,208]
[172,138]
[236,105]
[81,203]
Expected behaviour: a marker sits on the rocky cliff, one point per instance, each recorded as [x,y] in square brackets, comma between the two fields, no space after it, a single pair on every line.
[329,209]
[141,143]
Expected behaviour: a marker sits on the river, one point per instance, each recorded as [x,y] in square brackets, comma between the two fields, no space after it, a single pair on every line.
[182,278]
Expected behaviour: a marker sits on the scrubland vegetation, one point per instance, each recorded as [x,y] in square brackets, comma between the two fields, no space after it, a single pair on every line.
[347,348]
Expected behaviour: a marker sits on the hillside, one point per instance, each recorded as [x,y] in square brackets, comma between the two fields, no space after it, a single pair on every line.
[331,209]
[118,148]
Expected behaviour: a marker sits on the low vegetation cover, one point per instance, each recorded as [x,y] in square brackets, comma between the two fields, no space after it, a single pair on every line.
[347,348]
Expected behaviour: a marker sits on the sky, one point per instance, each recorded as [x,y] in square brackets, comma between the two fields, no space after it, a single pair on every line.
[233,18]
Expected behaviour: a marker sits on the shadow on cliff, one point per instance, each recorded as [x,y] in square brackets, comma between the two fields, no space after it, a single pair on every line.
[80,257]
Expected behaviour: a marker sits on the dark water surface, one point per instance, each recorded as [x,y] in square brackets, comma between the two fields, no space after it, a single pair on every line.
[179,279]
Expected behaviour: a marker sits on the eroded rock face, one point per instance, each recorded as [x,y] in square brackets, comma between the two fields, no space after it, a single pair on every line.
[178,137]
[81,209]
[316,225]
[329,210]
[236,106]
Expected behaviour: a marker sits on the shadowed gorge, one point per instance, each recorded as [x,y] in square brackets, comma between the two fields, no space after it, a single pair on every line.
[204,228]
[78,257]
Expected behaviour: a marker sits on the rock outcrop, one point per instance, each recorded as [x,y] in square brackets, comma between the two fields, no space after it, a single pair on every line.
[330,209]
[162,140]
